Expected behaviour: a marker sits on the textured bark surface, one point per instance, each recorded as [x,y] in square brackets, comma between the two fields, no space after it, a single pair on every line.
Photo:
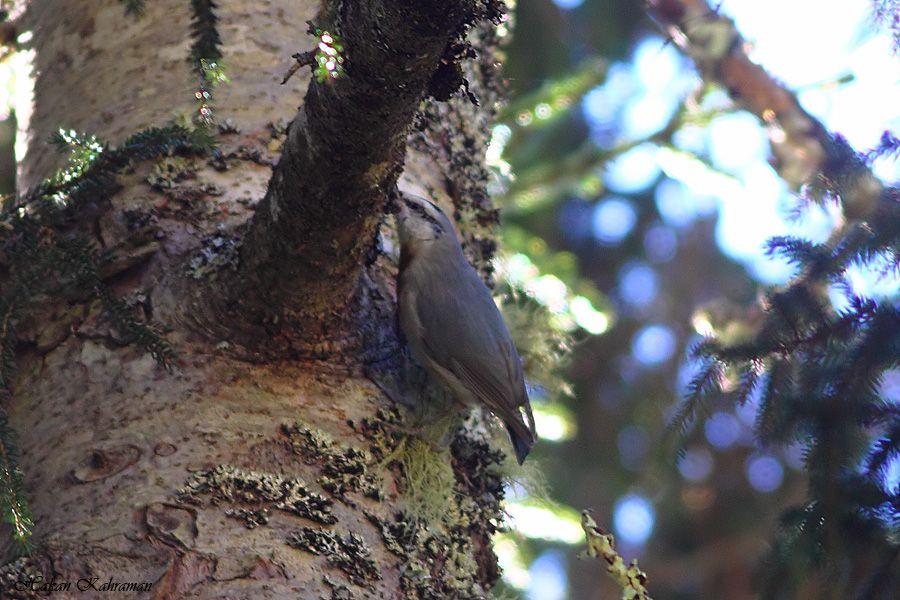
[214,481]
[303,252]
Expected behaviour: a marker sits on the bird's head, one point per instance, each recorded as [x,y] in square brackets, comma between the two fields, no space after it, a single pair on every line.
[420,222]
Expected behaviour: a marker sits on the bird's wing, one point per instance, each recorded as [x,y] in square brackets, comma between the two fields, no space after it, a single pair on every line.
[473,343]
[497,395]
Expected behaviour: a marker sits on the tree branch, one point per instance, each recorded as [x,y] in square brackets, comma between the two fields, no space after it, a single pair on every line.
[599,543]
[304,250]
[805,152]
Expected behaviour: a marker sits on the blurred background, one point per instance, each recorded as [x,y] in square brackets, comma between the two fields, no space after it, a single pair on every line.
[636,204]
[637,201]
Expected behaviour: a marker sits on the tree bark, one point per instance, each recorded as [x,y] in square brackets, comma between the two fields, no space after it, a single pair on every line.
[266,464]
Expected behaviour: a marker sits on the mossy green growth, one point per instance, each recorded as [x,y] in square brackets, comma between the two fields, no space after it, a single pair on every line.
[452,506]
[428,481]
[349,553]
[544,348]
[258,489]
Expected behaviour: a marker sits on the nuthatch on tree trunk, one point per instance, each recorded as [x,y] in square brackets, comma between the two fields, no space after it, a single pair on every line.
[452,325]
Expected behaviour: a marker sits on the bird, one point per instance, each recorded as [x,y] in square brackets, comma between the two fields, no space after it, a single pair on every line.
[452,325]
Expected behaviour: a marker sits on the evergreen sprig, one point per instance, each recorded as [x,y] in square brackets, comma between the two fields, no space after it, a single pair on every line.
[13,504]
[816,373]
[207,43]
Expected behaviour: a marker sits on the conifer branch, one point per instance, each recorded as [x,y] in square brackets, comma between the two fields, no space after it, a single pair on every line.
[819,369]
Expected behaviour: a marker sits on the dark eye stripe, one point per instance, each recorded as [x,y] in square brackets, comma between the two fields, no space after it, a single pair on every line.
[422,212]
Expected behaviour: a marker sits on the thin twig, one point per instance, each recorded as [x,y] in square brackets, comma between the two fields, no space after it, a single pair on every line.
[631,579]
[302,59]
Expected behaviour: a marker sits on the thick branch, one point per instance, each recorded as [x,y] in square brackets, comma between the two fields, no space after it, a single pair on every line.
[805,151]
[306,245]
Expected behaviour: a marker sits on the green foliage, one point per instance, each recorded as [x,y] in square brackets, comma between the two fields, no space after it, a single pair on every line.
[818,373]
[13,503]
[207,43]
[556,98]
[544,349]
[206,57]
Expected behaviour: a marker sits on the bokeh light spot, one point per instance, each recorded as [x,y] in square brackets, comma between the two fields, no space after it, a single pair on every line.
[568,4]
[660,243]
[588,318]
[696,464]
[794,456]
[632,442]
[552,524]
[657,63]
[653,344]
[638,284]
[575,219]
[737,140]
[648,114]
[676,203]
[633,519]
[890,386]
[613,220]
[548,579]
[764,473]
[633,171]
[891,476]
[722,430]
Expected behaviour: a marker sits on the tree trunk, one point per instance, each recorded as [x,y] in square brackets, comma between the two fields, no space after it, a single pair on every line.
[265,463]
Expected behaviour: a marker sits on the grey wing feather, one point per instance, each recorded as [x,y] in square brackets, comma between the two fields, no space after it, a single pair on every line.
[475,345]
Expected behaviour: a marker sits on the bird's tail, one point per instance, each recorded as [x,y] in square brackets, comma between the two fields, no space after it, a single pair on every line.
[522,441]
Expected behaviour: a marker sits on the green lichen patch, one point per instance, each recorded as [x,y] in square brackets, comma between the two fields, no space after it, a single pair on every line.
[398,534]
[453,504]
[427,480]
[443,568]
[480,478]
[447,554]
[249,517]
[348,471]
[382,431]
[216,252]
[262,490]
[345,469]
[435,560]
[309,442]
[22,579]
[339,591]
[168,171]
[350,553]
